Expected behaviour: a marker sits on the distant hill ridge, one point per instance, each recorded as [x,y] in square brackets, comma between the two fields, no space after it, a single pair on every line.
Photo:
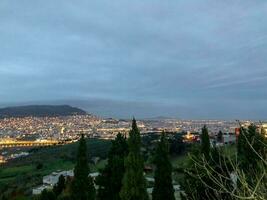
[40,111]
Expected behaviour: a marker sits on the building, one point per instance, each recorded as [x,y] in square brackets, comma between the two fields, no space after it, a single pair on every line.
[229,139]
[38,190]
[51,180]
[264,127]
[2,159]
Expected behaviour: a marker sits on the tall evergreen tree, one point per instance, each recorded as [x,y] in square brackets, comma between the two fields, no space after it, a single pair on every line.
[134,183]
[205,143]
[163,188]
[110,180]
[82,187]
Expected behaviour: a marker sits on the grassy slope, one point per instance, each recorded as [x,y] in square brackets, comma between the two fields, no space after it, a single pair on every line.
[52,159]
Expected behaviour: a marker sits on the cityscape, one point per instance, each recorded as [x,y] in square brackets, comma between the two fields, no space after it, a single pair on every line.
[49,131]
[133,100]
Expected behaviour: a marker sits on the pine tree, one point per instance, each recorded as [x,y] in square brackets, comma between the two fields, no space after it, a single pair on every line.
[60,186]
[205,143]
[110,180]
[134,183]
[163,188]
[82,187]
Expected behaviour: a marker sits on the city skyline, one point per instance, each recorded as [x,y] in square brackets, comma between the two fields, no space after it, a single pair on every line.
[186,59]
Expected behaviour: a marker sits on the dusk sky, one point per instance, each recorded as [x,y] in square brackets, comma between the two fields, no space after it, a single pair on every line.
[190,59]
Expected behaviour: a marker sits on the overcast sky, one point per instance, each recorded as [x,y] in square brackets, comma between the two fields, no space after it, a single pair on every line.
[180,58]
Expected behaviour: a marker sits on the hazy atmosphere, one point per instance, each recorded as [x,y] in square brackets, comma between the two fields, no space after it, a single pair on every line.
[185,59]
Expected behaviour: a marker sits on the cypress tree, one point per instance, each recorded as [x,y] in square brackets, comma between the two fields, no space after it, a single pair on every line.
[134,183]
[82,187]
[205,143]
[110,180]
[163,188]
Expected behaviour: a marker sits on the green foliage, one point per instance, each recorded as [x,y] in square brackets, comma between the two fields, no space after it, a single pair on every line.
[195,177]
[163,188]
[251,148]
[205,143]
[110,180]
[23,172]
[64,197]
[134,183]
[82,187]
[4,198]
[47,195]
[60,186]
[191,184]
[221,176]
[177,146]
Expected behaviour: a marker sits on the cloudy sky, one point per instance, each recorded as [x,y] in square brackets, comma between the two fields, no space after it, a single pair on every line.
[189,58]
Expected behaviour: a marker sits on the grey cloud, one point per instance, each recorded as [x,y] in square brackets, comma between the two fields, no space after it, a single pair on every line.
[189,59]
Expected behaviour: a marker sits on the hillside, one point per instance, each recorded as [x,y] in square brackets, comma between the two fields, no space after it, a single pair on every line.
[40,111]
[25,174]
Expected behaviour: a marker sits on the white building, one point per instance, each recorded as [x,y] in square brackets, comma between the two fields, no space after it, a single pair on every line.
[38,190]
[51,180]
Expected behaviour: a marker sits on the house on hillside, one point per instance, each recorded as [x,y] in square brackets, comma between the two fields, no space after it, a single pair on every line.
[51,180]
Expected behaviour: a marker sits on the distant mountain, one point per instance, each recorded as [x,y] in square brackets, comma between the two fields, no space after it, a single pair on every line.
[40,111]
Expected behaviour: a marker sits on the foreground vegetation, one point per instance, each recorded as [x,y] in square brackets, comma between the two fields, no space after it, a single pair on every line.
[205,172]
[21,175]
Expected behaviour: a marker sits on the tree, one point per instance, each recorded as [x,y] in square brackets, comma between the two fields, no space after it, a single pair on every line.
[134,183]
[163,188]
[82,187]
[177,146]
[110,180]
[192,184]
[4,198]
[220,137]
[251,148]
[47,195]
[223,176]
[193,188]
[201,175]
[64,197]
[60,186]
[205,143]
